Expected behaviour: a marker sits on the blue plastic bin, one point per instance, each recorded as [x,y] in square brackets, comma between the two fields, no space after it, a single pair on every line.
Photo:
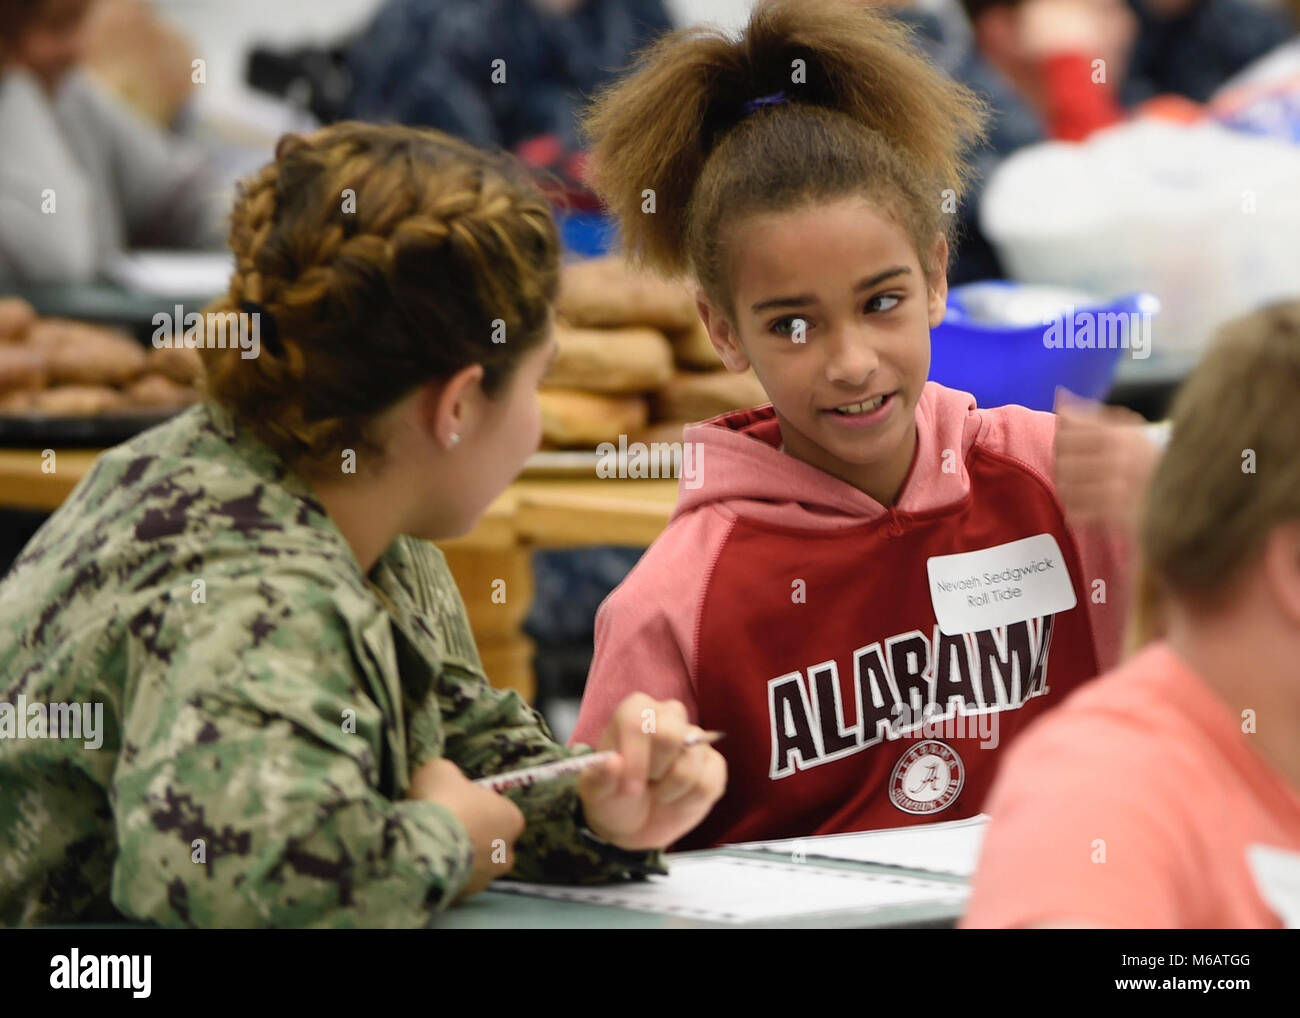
[1001,364]
[587,235]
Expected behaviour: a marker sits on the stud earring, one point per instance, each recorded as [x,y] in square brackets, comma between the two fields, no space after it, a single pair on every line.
[455,439]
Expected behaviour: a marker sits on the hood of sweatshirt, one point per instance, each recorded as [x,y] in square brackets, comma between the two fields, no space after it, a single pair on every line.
[738,461]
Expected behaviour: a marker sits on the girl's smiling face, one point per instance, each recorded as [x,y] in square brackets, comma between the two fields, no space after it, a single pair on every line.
[833,312]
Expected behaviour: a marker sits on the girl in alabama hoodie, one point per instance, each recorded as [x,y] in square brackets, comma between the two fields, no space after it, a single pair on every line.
[869,584]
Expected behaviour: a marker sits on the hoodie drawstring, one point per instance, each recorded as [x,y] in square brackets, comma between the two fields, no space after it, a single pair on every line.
[895,525]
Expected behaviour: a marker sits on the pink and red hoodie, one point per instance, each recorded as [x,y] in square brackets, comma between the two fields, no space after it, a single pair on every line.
[793,612]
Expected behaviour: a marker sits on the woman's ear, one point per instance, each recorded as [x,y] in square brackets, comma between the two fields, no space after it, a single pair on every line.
[721,334]
[450,409]
[937,281]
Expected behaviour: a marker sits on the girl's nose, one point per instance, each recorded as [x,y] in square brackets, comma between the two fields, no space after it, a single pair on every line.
[851,359]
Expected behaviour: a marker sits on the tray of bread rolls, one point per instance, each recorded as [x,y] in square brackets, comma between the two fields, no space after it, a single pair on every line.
[633,359]
[70,383]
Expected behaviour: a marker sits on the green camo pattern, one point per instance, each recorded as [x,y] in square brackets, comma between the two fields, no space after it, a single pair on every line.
[259,728]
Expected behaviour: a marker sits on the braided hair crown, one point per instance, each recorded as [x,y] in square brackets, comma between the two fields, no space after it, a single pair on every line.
[387,256]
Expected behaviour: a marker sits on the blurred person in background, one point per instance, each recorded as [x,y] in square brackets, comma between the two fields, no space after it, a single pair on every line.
[141,58]
[1192,47]
[1048,50]
[944,33]
[431,63]
[82,175]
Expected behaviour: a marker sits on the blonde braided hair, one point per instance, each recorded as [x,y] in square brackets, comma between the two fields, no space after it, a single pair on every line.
[387,256]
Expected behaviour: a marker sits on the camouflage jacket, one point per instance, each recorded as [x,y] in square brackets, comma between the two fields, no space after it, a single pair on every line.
[263,706]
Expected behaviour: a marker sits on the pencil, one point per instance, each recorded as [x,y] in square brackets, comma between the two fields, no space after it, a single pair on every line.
[558,769]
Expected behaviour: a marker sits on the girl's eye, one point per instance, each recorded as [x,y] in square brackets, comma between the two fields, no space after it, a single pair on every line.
[796,326]
[792,326]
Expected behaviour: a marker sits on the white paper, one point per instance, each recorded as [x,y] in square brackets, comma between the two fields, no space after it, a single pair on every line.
[977,590]
[1277,875]
[731,889]
[951,848]
[174,273]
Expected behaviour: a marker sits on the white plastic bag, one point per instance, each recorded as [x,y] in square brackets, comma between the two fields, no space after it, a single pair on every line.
[1205,218]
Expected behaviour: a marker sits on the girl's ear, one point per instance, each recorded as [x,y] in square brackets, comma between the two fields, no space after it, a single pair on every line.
[937,287]
[451,407]
[722,335]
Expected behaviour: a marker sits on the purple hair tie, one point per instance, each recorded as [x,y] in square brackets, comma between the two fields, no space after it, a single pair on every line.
[767,100]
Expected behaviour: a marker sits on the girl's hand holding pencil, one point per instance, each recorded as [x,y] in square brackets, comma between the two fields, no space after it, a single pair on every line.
[655,777]
[661,780]
[529,776]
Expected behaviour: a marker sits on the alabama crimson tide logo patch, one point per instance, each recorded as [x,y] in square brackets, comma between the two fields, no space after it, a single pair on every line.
[927,778]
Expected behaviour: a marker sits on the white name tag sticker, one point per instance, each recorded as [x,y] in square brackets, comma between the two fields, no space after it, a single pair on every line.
[1277,875]
[977,590]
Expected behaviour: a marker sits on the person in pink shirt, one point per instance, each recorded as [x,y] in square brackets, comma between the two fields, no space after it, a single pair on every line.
[1167,793]
[869,584]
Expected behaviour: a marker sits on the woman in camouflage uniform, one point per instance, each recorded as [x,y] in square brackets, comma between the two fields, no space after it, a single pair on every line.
[293,708]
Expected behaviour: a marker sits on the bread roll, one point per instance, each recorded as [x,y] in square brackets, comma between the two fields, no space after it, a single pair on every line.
[699,395]
[77,401]
[608,292]
[16,317]
[178,363]
[18,402]
[692,348]
[610,360]
[154,392]
[49,333]
[22,369]
[81,354]
[582,419]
